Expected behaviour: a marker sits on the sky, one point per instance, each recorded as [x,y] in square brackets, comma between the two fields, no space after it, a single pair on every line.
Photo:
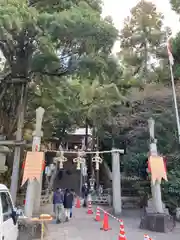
[120,9]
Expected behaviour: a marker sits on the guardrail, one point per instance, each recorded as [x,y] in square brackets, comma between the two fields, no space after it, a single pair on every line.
[46,197]
[103,199]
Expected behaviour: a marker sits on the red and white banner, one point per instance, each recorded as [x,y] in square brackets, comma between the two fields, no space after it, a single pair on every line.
[157,167]
[34,164]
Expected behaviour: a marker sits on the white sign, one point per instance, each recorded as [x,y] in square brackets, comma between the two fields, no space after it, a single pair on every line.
[36,144]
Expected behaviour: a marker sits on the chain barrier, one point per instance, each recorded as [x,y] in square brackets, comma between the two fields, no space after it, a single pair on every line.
[110,215]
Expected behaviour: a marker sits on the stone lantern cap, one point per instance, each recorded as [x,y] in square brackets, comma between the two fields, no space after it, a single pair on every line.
[4,149]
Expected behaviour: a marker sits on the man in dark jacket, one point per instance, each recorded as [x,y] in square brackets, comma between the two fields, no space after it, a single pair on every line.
[85,192]
[58,199]
[68,203]
[73,193]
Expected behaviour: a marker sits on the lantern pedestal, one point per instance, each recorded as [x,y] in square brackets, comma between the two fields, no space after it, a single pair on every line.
[156,222]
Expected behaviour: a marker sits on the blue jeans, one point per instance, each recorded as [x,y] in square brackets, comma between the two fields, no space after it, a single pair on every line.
[71,213]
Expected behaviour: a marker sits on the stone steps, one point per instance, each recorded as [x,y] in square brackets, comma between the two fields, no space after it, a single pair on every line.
[70,177]
[130,202]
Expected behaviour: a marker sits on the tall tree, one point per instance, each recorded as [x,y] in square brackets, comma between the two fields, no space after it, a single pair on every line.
[176,42]
[39,39]
[141,39]
[46,38]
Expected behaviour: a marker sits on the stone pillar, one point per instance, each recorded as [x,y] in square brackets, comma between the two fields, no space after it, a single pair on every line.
[155,189]
[37,192]
[29,204]
[116,182]
[33,194]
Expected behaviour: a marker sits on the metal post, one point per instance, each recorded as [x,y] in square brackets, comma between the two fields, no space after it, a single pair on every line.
[156,189]
[81,180]
[175,102]
[17,151]
[34,187]
[97,170]
[171,63]
[97,179]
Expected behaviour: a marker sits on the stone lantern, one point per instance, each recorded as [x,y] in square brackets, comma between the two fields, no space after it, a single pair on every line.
[92,183]
[3,153]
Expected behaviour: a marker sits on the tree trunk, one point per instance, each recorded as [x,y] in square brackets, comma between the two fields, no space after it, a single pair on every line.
[17,152]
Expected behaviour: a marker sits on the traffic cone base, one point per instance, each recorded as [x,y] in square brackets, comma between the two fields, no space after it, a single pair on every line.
[78,203]
[122,236]
[89,212]
[107,229]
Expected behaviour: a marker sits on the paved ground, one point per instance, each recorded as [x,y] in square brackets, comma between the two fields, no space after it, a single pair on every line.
[83,227]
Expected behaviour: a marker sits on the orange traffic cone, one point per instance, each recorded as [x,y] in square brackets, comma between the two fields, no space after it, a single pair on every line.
[98,216]
[89,208]
[146,237]
[105,223]
[122,232]
[78,203]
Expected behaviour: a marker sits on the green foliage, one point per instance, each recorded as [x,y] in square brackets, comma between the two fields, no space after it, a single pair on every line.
[48,43]
[170,189]
[62,50]
[175,5]
[33,38]
[129,124]
[175,42]
[61,104]
[61,5]
[156,102]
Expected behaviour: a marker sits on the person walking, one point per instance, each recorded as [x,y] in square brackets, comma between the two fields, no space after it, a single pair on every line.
[73,193]
[58,199]
[85,192]
[68,203]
